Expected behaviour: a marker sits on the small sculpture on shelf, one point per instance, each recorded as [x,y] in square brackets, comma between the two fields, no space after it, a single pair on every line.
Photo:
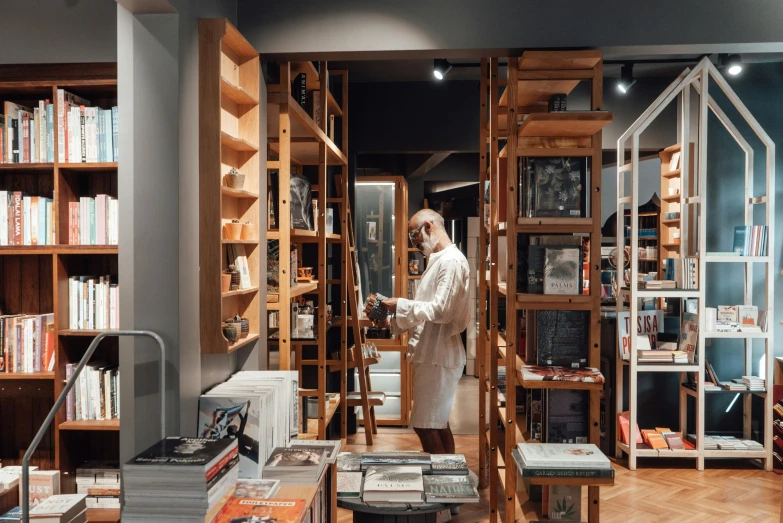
[244,325]
[235,277]
[230,331]
[234,179]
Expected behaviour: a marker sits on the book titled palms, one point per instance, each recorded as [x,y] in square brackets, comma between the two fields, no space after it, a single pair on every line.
[449,489]
[561,271]
[390,484]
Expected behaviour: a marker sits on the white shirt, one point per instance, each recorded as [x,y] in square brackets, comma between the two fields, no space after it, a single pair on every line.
[439,312]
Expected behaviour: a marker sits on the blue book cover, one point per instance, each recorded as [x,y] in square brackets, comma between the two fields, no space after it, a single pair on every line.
[50,132]
[107,136]
[739,240]
[115,127]
[93,230]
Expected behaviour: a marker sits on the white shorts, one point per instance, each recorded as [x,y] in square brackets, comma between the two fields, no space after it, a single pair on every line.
[433,392]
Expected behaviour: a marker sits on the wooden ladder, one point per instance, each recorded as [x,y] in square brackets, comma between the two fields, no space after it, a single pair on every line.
[359,338]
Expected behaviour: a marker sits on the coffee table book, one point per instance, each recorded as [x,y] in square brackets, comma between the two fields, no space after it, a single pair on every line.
[392,484]
[59,508]
[278,511]
[559,472]
[563,455]
[349,484]
[256,488]
[449,489]
[398,458]
[451,464]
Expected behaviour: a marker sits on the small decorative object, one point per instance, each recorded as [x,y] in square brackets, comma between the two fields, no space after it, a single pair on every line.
[674,162]
[305,274]
[235,323]
[372,229]
[374,308]
[234,180]
[233,230]
[225,282]
[249,231]
[413,267]
[244,325]
[557,102]
[235,277]
[230,332]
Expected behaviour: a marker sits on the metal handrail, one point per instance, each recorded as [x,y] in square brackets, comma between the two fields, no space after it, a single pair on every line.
[64,394]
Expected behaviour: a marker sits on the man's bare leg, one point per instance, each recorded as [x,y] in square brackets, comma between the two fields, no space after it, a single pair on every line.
[447,438]
[430,440]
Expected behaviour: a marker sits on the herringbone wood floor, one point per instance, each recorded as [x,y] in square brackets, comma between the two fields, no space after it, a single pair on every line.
[733,493]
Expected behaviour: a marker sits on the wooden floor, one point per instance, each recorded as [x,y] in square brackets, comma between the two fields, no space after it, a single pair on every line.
[734,493]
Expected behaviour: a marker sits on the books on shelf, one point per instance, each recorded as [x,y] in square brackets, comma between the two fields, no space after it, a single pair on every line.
[26,133]
[296,466]
[750,240]
[93,221]
[562,337]
[562,267]
[93,303]
[662,356]
[562,455]
[96,393]
[26,220]
[683,271]
[546,373]
[179,479]
[393,484]
[100,481]
[27,343]
[449,489]
[62,508]
[625,429]
[349,484]
[712,442]
[240,510]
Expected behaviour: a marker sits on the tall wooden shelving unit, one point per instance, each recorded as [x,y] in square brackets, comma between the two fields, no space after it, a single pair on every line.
[533,132]
[228,137]
[34,280]
[694,199]
[295,141]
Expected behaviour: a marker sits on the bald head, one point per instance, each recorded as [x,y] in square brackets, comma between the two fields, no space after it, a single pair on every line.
[427,215]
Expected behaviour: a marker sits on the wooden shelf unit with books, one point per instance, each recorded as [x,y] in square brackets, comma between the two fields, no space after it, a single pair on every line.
[532,79]
[229,132]
[295,143]
[34,278]
[691,196]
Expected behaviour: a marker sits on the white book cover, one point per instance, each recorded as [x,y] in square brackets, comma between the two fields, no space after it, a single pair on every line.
[65,506]
[561,271]
[332,445]
[26,229]
[390,484]
[563,455]
[349,484]
[748,315]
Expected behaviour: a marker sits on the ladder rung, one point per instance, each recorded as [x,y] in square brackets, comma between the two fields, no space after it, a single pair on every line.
[308,392]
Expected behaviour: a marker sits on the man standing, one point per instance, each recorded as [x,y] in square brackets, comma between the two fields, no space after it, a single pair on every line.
[435,318]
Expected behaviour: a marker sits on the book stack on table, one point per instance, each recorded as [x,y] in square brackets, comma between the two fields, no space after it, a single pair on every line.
[100,480]
[61,508]
[302,465]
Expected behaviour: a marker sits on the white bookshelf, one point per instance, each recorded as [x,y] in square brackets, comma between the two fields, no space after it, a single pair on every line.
[693,243]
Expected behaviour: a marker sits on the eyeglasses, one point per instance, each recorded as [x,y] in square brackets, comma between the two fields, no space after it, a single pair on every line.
[415,234]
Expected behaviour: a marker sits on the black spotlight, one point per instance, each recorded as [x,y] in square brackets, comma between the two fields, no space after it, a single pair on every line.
[626,79]
[734,64]
[441,69]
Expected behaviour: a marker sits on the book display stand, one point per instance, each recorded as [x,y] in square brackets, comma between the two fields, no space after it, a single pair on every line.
[692,196]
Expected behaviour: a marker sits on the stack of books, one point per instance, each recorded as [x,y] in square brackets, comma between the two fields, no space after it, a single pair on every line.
[331,445]
[179,480]
[399,458]
[753,383]
[710,442]
[393,484]
[750,240]
[93,221]
[567,460]
[93,303]
[752,445]
[662,356]
[63,508]
[660,284]
[296,466]
[12,516]
[733,385]
[100,481]
[10,477]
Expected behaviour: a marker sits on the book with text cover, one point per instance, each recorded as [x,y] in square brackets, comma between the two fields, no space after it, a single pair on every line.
[185,456]
[582,455]
[349,484]
[333,446]
[689,335]
[561,270]
[392,484]
[61,507]
[256,488]
[43,484]
[625,429]
[12,516]
[243,510]
[397,458]
[449,489]
[312,457]
[234,417]
[451,464]
[565,503]
[562,338]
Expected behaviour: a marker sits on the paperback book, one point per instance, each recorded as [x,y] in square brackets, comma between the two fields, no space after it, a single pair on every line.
[242,510]
[393,484]
[451,464]
[256,488]
[449,489]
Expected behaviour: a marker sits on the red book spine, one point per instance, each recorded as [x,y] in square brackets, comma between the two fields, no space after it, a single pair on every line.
[222,463]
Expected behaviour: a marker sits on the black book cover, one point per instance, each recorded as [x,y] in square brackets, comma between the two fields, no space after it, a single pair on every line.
[274,184]
[301,203]
[567,416]
[15,139]
[299,90]
[562,338]
[523,263]
[554,187]
[183,451]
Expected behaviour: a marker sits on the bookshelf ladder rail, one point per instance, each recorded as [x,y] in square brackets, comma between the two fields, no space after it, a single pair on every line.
[64,394]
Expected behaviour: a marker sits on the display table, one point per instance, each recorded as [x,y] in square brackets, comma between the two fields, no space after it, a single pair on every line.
[402,512]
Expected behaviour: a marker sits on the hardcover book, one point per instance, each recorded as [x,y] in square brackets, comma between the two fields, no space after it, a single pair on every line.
[565,503]
[297,458]
[12,516]
[393,484]
[748,314]
[62,507]
[301,203]
[332,446]
[243,510]
[562,338]
[256,488]
[236,418]
[349,462]
[453,464]
[398,458]
[740,234]
[562,267]
[689,335]
[567,415]
[550,472]
[349,484]
[559,455]
[449,489]
[187,453]
[553,187]
[547,373]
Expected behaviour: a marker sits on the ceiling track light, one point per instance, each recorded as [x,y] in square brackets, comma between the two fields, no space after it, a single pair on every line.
[441,68]
[733,64]
[626,79]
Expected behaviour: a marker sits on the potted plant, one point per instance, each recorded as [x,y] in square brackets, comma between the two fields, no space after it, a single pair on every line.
[234,180]
[233,230]
[249,231]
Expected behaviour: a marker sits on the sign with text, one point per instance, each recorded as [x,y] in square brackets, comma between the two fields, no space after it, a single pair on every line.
[647,322]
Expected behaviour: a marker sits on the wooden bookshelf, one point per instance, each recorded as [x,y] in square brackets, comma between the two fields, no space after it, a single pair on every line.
[520,115]
[229,131]
[34,279]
